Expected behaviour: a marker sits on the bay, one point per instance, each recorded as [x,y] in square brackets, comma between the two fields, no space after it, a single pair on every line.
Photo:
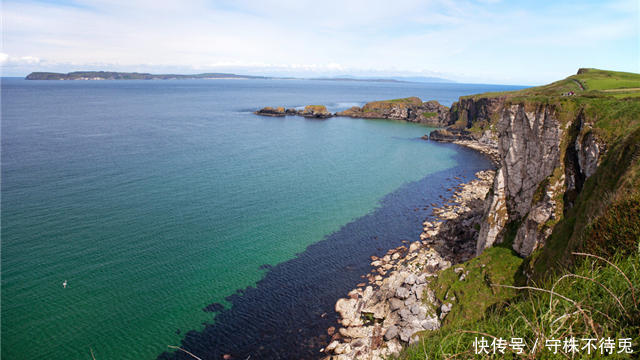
[154,199]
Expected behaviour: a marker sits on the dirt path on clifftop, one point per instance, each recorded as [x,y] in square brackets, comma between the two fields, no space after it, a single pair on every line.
[579,85]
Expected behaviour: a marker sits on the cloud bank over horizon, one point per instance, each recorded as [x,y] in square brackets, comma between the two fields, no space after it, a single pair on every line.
[478,41]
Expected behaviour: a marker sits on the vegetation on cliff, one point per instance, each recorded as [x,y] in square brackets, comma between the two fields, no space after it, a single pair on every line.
[582,281]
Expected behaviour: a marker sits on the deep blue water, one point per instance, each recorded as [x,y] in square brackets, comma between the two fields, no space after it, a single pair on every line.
[157,199]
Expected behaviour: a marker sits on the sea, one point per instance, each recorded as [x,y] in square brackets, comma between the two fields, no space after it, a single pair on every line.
[140,216]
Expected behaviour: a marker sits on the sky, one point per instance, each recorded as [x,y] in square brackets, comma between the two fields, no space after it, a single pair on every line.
[472,41]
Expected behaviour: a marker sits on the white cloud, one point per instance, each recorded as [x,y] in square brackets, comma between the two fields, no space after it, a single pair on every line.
[471,39]
[261,66]
[10,61]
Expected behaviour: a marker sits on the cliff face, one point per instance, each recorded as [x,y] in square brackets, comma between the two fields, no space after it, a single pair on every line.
[480,113]
[529,148]
[543,165]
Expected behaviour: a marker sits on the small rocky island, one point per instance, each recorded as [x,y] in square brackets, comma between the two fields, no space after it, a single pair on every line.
[409,109]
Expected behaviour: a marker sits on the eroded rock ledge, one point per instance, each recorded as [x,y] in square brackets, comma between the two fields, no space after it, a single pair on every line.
[396,302]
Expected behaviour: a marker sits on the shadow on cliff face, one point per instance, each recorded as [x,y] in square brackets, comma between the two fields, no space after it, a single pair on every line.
[287,313]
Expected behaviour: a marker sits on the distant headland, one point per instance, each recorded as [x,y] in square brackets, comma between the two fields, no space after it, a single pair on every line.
[113,75]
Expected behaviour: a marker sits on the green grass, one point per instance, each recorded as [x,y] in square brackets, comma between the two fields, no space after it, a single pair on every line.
[626,95]
[412,99]
[617,231]
[603,80]
[598,300]
[472,296]
[429,114]
[594,82]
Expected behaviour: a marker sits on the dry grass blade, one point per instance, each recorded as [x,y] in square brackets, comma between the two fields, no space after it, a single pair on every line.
[563,317]
[175,347]
[94,358]
[633,293]
[553,287]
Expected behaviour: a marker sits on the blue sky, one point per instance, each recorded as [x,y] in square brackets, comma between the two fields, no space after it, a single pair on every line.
[476,41]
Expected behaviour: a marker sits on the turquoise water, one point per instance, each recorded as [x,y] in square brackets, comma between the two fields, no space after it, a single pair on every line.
[154,199]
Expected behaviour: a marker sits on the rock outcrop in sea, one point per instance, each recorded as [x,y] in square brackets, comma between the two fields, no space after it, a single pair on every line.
[315,111]
[269,111]
[310,111]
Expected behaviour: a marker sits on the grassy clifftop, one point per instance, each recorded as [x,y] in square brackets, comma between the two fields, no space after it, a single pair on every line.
[587,82]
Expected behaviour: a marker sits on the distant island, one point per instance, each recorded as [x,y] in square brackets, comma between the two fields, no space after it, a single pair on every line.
[113,75]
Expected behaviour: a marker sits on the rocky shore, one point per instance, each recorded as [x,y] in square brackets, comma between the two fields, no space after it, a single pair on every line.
[485,142]
[395,302]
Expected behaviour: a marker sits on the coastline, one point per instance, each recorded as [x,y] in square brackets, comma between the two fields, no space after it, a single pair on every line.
[392,306]
[295,318]
[488,149]
[378,317]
